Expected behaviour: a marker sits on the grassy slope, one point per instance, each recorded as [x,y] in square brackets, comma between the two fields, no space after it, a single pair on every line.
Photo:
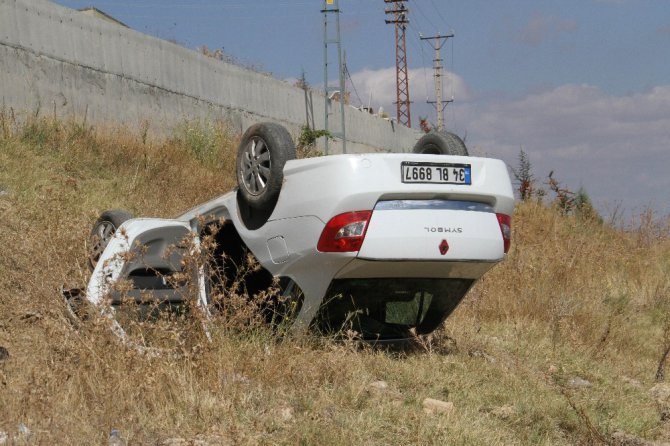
[574,299]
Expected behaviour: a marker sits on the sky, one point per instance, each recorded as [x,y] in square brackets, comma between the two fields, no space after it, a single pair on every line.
[581,86]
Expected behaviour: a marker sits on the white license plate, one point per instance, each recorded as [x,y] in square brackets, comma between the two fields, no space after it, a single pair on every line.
[435,173]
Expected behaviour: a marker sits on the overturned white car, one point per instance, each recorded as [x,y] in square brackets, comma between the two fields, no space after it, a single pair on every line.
[386,244]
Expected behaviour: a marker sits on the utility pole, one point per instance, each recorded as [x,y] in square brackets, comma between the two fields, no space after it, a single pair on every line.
[400,20]
[332,7]
[437,42]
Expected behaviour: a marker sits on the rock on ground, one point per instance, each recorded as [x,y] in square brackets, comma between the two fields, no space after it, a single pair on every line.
[432,406]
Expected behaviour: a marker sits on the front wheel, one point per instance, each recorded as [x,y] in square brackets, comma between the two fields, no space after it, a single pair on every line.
[103,231]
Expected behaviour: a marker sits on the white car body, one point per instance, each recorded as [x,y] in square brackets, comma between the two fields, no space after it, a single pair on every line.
[415,231]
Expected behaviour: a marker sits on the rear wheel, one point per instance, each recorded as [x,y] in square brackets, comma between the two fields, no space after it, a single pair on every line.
[103,231]
[441,143]
[261,156]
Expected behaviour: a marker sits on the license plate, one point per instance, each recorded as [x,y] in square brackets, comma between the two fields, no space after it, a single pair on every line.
[435,173]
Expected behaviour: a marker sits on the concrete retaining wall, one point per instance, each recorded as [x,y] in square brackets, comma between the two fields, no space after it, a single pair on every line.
[57,60]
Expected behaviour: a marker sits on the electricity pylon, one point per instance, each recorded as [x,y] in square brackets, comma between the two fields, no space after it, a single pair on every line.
[400,20]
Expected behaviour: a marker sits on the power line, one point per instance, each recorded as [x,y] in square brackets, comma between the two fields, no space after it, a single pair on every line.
[346,71]
[430,22]
[425,75]
[417,45]
[440,14]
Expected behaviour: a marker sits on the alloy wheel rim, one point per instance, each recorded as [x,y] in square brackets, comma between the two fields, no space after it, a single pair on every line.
[101,236]
[255,166]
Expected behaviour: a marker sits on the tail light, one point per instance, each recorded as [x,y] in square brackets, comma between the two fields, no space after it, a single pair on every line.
[344,232]
[505,222]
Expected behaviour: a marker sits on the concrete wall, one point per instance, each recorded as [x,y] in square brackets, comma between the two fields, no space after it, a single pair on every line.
[57,60]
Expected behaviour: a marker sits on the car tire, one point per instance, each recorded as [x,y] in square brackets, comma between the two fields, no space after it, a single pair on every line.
[261,156]
[103,231]
[441,143]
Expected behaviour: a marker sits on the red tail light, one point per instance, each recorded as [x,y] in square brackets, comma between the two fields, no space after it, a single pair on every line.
[344,232]
[505,222]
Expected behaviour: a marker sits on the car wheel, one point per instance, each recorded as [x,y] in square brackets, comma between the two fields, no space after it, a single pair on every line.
[261,156]
[103,231]
[441,143]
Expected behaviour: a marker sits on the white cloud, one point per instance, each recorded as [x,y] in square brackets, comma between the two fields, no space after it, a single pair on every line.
[379,86]
[617,147]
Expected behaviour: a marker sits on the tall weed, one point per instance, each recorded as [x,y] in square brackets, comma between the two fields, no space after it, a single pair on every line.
[574,299]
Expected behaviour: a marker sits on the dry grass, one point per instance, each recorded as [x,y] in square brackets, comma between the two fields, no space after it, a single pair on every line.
[575,299]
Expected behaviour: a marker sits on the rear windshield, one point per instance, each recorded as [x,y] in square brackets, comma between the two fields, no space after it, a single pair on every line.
[389,308]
